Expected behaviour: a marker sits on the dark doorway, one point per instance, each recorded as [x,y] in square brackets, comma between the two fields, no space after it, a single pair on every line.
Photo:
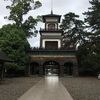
[51,68]
[68,69]
[34,68]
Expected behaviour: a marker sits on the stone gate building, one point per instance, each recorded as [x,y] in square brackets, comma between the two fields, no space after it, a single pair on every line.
[51,58]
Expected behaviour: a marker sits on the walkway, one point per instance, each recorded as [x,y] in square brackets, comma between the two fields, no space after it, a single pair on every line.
[49,88]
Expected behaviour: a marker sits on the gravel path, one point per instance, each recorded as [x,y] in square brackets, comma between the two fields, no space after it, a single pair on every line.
[13,88]
[82,88]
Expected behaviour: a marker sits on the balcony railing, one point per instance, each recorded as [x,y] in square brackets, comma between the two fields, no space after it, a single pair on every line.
[50,29]
[51,52]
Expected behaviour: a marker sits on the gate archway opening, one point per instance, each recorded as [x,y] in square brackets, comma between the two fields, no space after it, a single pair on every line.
[51,68]
[68,68]
[34,68]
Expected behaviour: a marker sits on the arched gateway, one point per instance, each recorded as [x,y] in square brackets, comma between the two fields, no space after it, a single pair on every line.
[51,58]
[54,64]
[51,68]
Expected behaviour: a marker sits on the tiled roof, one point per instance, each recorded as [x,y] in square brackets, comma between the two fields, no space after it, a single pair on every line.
[52,16]
[3,57]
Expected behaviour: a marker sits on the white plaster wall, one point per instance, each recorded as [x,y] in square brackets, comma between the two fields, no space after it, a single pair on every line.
[44,40]
[52,20]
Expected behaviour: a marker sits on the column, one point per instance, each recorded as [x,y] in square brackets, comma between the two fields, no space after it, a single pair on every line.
[61,70]
[27,70]
[41,70]
[75,70]
[2,71]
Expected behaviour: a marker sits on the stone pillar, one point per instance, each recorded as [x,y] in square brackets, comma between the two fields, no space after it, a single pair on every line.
[41,70]
[27,73]
[2,71]
[61,70]
[75,70]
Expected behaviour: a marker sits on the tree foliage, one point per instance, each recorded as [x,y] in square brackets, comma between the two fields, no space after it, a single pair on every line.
[13,42]
[88,57]
[73,27]
[13,38]
[93,15]
[88,52]
[20,8]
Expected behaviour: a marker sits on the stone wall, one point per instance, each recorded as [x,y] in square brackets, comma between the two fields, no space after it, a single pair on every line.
[61,59]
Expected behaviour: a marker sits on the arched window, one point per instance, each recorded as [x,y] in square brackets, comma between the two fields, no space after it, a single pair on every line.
[51,27]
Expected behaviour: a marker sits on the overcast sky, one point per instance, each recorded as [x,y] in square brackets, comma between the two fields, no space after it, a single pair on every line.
[60,7]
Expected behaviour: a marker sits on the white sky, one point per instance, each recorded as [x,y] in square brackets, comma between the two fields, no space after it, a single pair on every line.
[60,7]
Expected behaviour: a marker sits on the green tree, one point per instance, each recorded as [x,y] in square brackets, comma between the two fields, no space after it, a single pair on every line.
[13,38]
[89,52]
[13,42]
[88,55]
[20,8]
[93,20]
[73,28]
[93,15]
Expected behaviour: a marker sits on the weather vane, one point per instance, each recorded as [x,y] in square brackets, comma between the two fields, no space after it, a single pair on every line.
[51,6]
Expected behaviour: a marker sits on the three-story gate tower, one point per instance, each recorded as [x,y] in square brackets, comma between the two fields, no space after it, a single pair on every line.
[51,58]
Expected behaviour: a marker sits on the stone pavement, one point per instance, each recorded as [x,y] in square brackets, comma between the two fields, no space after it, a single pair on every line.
[49,88]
